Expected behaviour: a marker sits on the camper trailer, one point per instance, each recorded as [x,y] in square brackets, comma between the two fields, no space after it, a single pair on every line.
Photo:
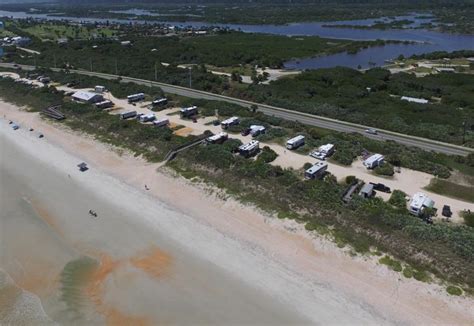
[419,202]
[230,122]
[99,89]
[189,112]
[373,161]
[161,122]
[323,152]
[128,115]
[135,97]
[249,149]
[160,102]
[217,138]
[316,171]
[295,142]
[147,117]
[256,130]
[104,104]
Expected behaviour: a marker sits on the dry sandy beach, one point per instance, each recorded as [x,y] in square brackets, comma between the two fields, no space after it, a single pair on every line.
[175,254]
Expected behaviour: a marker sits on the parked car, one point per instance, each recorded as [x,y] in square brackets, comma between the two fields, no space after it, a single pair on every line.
[40,136]
[245,132]
[216,123]
[15,127]
[371,131]
[447,211]
[381,187]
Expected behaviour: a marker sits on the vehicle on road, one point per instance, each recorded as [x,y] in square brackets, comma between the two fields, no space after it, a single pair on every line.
[372,131]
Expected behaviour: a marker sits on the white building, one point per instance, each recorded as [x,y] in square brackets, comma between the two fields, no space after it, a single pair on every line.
[87,97]
[414,100]
[419,202]
[295,142]
[250,148]
[230,122]
[373,161]
[316,171]
[323,152]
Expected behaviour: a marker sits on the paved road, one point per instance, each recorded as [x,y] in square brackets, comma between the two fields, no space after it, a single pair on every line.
[309,119]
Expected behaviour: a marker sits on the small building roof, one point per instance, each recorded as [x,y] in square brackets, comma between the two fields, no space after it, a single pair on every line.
[84,95]
[367,189]
[414,100]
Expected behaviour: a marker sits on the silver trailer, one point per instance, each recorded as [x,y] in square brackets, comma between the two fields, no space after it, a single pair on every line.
[128,115]
[295,142]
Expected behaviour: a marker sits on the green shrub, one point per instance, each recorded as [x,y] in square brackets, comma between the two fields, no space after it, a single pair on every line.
[397,199]
[393,264]
[350,179]
[267,155]
[468,217]
[454,290]
[385,169]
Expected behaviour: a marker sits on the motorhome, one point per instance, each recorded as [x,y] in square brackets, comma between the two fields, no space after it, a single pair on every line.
[161,122]
[323,152]
[217,138]
[256,130]
[147,117]
[128,115]
[317,171]
[419,203]
[295,142]
[249,149]
[160,102]
[230,122]
[104,104]
[188,112]
[135,97]
[373,161]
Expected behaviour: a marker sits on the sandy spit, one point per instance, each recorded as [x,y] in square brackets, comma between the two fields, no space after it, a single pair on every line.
[305,273]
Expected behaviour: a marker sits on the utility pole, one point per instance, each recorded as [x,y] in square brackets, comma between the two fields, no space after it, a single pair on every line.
[90,59]
[116,66]
[156,72]
[464,132]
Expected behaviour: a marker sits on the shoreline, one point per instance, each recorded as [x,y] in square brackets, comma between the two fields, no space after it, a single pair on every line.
[317,263]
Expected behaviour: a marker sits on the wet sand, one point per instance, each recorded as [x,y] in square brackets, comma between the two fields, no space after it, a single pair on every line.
[134,271]
[176,254]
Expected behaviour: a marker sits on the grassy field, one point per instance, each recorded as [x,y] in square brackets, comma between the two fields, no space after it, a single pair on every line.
[450,189]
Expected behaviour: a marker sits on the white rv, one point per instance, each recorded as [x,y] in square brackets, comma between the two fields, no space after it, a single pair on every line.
[323,152]
[419,202]
[217,138]
[249,149]
[135,97]
[128,115]
[256,130]
[295,142]
[188,112]
[316,171]
[373,161]
[230,122]
[147,117]
[161,122]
